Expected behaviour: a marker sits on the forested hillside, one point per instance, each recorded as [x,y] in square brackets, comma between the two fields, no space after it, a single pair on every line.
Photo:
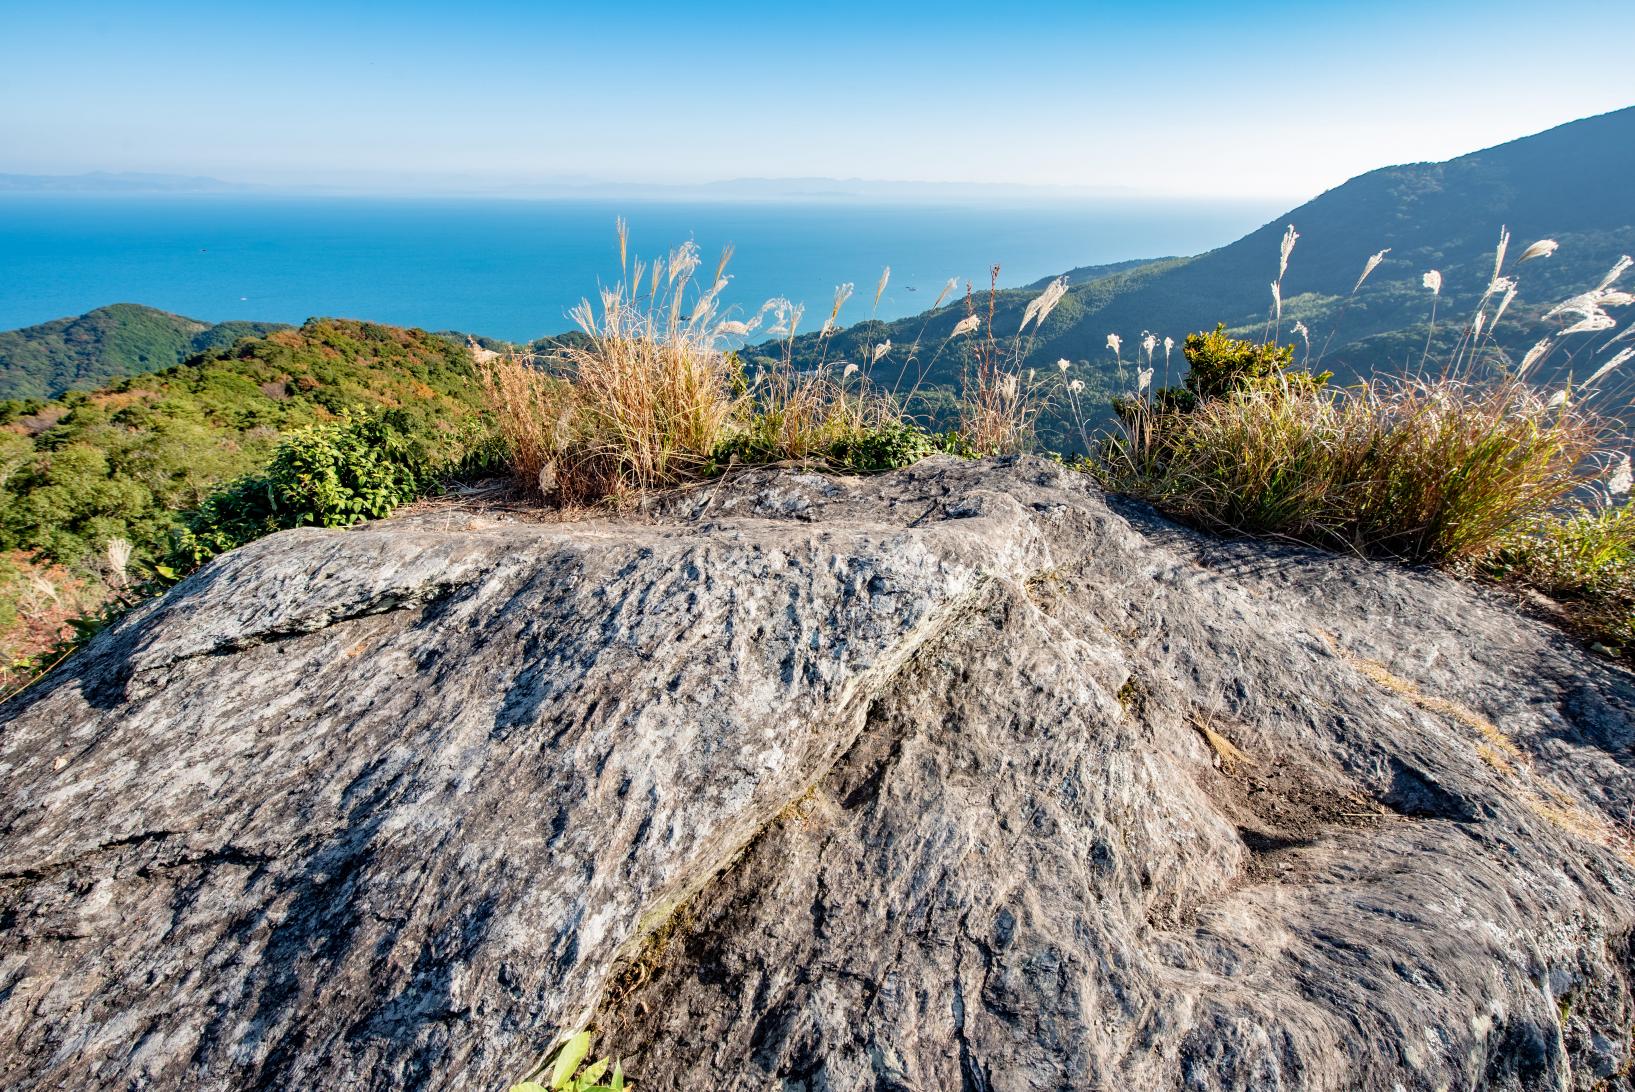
[100,346]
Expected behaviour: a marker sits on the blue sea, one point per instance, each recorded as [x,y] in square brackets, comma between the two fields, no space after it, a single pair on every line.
[511,269]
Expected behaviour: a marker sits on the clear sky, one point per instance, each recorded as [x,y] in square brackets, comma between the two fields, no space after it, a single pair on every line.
[1172,96]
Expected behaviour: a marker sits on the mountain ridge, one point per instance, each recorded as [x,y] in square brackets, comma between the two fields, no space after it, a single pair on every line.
[107,344]
[1569,183]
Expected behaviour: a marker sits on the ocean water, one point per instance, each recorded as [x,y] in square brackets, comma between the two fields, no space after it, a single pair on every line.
[512,269]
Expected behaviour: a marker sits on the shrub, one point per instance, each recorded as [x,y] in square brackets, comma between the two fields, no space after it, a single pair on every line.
[1218,366]
[1584,559]
[329,475]
[888,445]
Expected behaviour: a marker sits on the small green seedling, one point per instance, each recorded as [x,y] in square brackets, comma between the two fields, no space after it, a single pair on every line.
[567,1076]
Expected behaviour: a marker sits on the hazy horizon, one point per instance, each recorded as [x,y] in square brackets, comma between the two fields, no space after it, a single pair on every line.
[1096,98]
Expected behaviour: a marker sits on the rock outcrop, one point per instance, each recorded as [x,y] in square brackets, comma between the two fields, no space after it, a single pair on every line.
[959,777]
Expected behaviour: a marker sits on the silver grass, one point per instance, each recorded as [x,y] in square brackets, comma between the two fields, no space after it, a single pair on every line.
[1591,324]
[1616,360]
[1372,264]
[1616,271]
[1534,355]
[966,325]
[1042,304]
[1433,281]
[1622,477]
[1541,249]
[1509,296]
[880,289]
[880,350]
[1289,237]
[1062,365]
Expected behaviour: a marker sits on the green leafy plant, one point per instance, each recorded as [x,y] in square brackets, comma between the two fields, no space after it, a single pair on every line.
[331,475]
[570,1073]
[1585,560]
[888,445]
[1219,365]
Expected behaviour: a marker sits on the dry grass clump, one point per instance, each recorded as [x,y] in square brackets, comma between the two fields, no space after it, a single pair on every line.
[651,394]
[1419,470]
[639,402]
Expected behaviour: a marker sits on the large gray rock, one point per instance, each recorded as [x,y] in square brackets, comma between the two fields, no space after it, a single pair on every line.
[959,777]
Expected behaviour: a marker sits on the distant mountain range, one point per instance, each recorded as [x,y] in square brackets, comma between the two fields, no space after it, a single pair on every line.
[115,182]
[1574,184]
[874,191]
[109,343]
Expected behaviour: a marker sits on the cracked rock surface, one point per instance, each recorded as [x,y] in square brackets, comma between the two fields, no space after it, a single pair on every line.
[961,777]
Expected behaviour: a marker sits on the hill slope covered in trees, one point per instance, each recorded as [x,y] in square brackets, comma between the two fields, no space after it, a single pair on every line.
[1571,184]
[126,463]
[98,347]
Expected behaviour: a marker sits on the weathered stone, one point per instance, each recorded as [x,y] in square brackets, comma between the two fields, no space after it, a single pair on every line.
[959,777]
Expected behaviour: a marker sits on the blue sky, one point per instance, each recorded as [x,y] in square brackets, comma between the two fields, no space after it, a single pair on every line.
[1172,97]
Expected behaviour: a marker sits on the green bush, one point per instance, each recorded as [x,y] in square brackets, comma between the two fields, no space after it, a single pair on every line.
[330,475]
[888,445]
[1586,561]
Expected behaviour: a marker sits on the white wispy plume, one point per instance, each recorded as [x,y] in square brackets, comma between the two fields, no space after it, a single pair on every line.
[966,325]
[1369,266]
[951,286]
[1534,355]
[880,350]
[1616,271]
[733,327]
[1044,303]
[1077,386]
[1498,252]
[880,289]
[1277,300]
[1305,336]
[1622,477]
[1149,343]
[1143,379]
[1433,280]
[1590,306]
[851,370]
[1602,371]
[1591,324]
[1289,237]
[842,294]
[1114,342]
[1541,249]
[1509,297]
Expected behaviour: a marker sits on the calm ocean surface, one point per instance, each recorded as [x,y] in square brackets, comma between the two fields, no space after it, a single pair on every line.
[511,269]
